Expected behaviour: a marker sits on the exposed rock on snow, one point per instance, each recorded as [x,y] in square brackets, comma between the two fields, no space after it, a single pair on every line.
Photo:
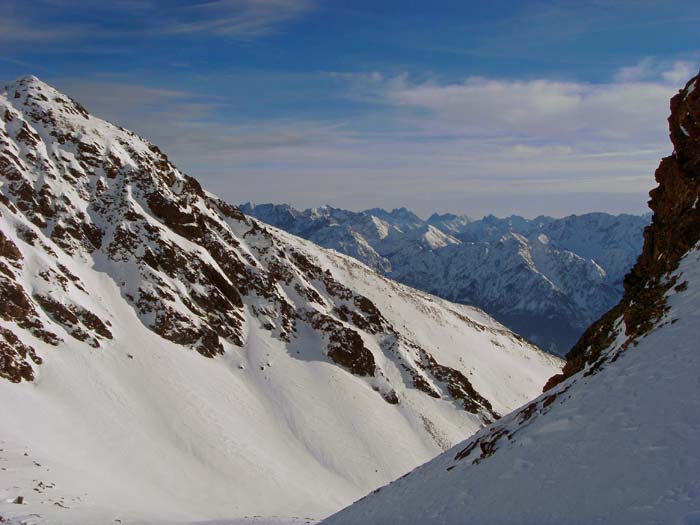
[166,357]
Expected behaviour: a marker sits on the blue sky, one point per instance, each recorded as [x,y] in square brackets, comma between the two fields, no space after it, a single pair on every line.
[471,107]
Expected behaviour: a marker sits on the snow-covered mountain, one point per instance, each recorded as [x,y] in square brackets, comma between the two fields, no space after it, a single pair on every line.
[163,357]
[614,439]
[545,278]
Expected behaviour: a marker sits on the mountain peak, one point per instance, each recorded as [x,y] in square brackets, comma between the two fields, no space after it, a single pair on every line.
[396,216]
[99,189]
[43,103]
[30,84]
[26,82]
[136,300]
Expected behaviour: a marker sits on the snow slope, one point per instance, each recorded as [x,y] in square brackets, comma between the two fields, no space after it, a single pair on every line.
[617,447]
[547,279]
[164,358]
[614,440]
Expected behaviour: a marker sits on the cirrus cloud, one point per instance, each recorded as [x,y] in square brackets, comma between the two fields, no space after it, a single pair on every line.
[58,21]
[241,19]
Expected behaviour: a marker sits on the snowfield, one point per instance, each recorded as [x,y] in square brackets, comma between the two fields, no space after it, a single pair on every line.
[617,447]
[165,359]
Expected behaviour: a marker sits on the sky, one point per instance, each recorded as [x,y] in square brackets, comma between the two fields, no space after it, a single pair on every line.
[503,107]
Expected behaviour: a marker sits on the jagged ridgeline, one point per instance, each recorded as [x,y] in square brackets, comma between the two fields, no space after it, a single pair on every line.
[127,289]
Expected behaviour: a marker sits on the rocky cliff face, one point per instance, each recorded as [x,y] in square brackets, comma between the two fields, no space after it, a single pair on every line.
[674,230]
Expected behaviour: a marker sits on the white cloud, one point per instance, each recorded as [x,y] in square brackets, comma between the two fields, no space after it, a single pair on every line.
[642,70]
[484,140]
[652,69]
[680,72]
[553,111]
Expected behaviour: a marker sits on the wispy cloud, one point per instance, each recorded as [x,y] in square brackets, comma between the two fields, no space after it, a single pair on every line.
[650,69]
[483,138]
[497,137]
[128,103]
[241,19]
[51,21]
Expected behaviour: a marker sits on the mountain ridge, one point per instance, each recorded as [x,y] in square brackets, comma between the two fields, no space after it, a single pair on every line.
[487,262]
[213,365]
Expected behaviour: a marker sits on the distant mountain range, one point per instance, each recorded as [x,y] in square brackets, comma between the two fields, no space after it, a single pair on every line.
[545,278]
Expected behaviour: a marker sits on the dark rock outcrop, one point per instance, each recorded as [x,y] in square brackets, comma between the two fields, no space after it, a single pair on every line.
[674,230]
